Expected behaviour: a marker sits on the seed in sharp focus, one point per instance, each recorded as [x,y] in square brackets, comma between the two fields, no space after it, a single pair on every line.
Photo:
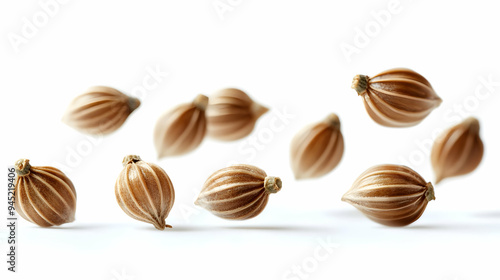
[317,149]
[144,191]
[232,114]
[238,192]
[458,150]
[397,98]
[392,195]
[44,195]
[100,110]
[181,129]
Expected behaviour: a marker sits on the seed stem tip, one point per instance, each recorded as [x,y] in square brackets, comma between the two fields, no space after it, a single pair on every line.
[131,159]
[360,83]
[272,184]
[429,194]
[22,167]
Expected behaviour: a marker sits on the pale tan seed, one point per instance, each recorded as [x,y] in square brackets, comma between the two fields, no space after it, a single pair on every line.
[182,129]
[232,114]
[317,149]
[458,150]
[100,110]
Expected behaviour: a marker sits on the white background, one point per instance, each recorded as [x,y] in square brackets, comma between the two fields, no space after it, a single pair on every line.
[288,56]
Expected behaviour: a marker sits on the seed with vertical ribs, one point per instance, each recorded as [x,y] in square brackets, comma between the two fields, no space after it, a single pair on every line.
[317,149]
[181,129]
[100,110]
[392,195]
[458,150]
[44,195]
[231,114]
[397,98]
[238,192]
[144,191]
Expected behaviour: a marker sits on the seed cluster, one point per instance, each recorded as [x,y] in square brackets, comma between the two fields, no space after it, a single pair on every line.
[388,194]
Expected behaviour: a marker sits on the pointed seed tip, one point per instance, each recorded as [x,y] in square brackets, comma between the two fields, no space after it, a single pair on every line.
[296,175]
[133,103]
[438,179]
[258,109]
[201,102]
[333,120]
[159,227]
[472,123]
[159,223]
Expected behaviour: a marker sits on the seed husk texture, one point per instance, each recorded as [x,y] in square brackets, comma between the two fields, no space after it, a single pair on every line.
[232,114]
[44,195]
[397,97]
[238,192]
[100,110]
[317,149]
[458,150]
[182,129]
[392,195]
[144,191]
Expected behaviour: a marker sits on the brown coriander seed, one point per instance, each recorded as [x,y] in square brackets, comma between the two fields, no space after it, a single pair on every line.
[100,110]
[232,114]
[44,195]
[238,192]
[317,149]
[392,195]
[144,191]
[397,97]
[182,129]
[458,150]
